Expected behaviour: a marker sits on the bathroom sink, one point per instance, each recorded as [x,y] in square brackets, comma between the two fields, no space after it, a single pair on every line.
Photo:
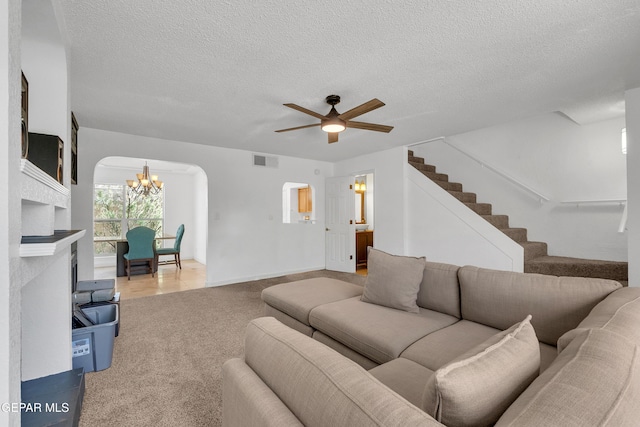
[360,227]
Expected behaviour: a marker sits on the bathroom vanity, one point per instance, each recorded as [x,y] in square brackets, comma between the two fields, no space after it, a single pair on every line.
[364,239]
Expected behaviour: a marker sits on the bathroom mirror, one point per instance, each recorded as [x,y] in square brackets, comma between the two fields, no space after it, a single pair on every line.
[360,208]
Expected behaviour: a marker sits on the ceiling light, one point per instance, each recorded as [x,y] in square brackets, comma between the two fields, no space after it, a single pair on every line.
[624,141]
[333,125]
[146,184]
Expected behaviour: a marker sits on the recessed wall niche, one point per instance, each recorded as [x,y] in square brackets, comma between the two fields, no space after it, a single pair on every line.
[298,202]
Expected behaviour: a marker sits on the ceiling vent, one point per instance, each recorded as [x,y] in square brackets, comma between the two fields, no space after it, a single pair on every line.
[265,161]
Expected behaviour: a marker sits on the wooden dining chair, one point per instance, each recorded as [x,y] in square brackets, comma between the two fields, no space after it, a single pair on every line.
[175,250]
[141,241]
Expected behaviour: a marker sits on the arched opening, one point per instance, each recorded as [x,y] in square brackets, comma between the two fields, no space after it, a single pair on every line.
[117,207]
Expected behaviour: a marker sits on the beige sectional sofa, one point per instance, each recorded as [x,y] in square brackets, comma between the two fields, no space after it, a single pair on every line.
[426,343]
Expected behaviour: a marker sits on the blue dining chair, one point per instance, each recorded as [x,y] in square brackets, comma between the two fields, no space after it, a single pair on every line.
[140,241]
[175,250]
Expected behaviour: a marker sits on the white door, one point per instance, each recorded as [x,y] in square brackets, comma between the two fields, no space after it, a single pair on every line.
[340,234]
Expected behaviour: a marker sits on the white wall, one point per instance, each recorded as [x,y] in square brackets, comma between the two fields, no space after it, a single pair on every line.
[10,283]
[180,192]
[200,216]
[444,230]
[48,108]
[632,98]
[557,158]
[246,237]
[46,316]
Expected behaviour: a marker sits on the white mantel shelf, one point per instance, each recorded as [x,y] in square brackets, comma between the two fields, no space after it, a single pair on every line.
[49,245]
[29,169]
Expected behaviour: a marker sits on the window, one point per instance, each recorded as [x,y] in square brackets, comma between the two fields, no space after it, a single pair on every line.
[116,210]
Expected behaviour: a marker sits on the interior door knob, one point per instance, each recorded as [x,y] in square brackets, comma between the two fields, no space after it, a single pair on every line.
[326,229]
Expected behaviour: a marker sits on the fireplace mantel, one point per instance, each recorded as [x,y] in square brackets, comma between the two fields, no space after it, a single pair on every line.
[32,246]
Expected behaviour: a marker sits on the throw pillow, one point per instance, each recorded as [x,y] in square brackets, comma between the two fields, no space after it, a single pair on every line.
[478,386]
[392,280]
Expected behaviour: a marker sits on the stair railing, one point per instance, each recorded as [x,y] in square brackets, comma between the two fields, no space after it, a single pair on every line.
[623,220]
[541,197]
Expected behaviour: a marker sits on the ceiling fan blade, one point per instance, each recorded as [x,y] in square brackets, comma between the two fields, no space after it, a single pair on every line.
[304,110]
[369,126]
[333,137]
[361,109]
[298,127]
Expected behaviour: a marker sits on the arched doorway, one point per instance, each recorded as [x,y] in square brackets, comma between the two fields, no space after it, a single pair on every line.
[182,200]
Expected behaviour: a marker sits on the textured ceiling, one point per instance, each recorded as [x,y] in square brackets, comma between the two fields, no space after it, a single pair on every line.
[218,72]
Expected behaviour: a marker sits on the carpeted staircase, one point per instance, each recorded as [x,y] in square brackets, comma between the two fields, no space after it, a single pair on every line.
[536,258]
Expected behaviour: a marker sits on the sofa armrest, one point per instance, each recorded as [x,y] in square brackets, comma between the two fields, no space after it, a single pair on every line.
[247,401]
[320,386]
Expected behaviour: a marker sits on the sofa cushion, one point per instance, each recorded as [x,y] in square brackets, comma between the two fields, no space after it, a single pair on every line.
[619,312]
[442,346]
[405,377]
[319,386]
[478,386]
[298,298]
[288,320]
[439,289]
[594,381]
[392,280]
[347,352]
[557,304]
[247,401]
[377,332]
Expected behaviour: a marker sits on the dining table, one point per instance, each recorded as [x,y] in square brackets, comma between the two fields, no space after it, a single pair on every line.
[122,247]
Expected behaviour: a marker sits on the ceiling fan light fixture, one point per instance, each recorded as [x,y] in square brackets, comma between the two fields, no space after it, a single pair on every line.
[333,125]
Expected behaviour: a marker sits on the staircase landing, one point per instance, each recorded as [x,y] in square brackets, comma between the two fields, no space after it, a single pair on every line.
[536,258]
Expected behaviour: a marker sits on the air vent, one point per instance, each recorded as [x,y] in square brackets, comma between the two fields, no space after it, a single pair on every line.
[265,161]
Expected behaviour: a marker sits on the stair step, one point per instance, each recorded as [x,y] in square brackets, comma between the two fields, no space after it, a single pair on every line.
[450,186]
[464,197]
[480,208]
[410,153]
[578,267]
[533,250]
[455,186]
[414,159]
[423,167]
[516,234]
[498,221]
[434,176]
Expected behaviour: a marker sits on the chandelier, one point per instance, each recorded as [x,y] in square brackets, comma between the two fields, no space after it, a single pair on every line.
[146,184]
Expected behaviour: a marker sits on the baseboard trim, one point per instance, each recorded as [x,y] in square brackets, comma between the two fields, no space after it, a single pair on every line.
[259,277]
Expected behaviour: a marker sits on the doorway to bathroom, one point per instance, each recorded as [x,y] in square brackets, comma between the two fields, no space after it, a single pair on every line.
[364,218]
[349,219]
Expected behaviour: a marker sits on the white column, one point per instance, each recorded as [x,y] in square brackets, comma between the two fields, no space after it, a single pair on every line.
[10,129]
[632,99]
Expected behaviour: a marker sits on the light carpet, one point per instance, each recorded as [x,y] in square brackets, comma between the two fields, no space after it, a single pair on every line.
[167,359]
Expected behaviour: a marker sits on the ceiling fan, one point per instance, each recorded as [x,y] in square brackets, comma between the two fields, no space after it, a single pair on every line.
[334,122]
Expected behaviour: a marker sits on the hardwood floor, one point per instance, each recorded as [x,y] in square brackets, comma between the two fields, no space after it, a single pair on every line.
[168,279]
